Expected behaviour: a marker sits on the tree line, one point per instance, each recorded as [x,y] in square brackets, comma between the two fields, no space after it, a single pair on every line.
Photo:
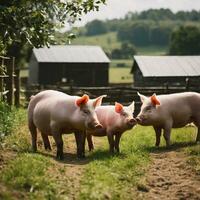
[159,27]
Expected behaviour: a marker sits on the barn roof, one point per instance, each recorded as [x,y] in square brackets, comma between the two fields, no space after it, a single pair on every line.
[168,66]
[71,54]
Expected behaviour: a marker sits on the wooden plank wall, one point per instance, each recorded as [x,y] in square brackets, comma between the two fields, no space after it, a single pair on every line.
[122,94]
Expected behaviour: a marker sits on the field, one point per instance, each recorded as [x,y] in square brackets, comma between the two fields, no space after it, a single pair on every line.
[140,171]
[109,41]
[120,75]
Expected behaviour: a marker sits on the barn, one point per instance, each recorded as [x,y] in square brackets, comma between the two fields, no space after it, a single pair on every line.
[166,71]
[79,65]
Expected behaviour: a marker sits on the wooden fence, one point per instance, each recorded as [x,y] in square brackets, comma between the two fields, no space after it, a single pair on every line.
[9,81]
[122,94]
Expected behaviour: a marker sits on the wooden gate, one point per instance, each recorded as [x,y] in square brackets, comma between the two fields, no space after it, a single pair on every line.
[9,81]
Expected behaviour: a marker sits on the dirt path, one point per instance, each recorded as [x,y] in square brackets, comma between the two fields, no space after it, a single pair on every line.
[70,170]
[67,173]
[170,177]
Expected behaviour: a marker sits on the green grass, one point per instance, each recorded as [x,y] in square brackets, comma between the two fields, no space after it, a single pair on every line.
[39,176]
[107,41]
[121,63]
[10,117]
[120,75]
[27,173]
[152,50]
[113,177]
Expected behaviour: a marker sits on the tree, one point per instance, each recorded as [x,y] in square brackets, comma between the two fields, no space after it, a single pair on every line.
[160,35]
[185,41]
[96,27]
[126,51]
[140,34]
[35,22]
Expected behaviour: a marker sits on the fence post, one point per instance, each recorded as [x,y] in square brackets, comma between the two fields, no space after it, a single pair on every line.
[1,87]
[10,81]
[17,87]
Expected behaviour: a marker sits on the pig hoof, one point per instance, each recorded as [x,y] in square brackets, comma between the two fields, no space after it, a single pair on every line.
[59,156]
[91,149]
[34,150]
[81,156]
[48,148]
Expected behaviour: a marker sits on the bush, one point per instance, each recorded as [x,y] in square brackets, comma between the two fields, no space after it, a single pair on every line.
[9,118]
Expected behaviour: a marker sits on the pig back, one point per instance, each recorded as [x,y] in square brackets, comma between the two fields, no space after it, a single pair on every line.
[180,107]
[53,107]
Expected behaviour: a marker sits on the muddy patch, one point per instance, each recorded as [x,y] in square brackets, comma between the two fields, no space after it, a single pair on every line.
[170,177]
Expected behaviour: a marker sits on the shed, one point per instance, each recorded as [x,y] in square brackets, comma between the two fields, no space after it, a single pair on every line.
[166,70]
[81,65]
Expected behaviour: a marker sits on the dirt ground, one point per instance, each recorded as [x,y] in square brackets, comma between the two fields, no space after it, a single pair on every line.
[170,177]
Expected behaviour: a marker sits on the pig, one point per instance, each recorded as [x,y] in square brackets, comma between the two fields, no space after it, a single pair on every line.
[165,112]
[115,120]
[54,113]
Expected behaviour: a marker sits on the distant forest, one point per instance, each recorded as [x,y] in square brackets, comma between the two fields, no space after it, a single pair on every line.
[153,26]
[178,32]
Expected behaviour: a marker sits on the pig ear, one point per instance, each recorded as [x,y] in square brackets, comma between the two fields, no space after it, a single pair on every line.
[154,100]
[118,107]
[132,106]
[98,100]
[142,97]
[82,100]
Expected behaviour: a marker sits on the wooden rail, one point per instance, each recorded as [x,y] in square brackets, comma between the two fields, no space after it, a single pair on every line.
[120,94]
[9,81]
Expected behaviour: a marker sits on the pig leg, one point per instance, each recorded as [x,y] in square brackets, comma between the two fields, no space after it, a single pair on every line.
[198,135]
[158,134]
[167,132]
[90,142]
[116,143]
[111,142]
[33,132]
[46,141]
[80,143]
[59,144]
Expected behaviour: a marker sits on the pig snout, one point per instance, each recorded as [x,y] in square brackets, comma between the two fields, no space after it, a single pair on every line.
[141,119]
[98,126]
[138,119]
[94,125]
[132,121]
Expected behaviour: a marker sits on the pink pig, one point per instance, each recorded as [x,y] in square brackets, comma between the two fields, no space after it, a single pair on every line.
[170,111]
[115,120]
[54,113]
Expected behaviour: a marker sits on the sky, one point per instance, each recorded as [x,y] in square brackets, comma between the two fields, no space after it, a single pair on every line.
[118,8]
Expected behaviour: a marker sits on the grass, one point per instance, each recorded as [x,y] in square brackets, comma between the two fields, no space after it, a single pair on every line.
[9,118]
[107,41]
[24,175]
[120,75]
[152,50]
[121,63]
[27,173]
[114,177]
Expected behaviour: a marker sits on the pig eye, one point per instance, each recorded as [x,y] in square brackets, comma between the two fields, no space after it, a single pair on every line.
[148,108]
[86,112]
[124,114]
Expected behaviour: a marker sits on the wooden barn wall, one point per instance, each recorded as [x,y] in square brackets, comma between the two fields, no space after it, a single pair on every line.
[80,74]
[33,71]
[140,81]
